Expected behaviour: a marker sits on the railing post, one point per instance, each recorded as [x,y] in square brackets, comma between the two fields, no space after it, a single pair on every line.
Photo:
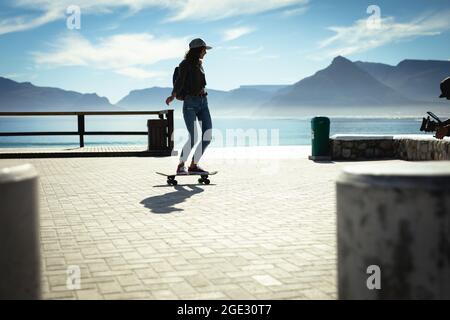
[170,128]
[81,130]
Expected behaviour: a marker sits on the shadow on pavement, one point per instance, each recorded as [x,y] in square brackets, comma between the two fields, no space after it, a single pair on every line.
[165,203]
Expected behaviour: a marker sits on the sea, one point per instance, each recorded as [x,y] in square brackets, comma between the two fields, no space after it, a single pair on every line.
[227,132]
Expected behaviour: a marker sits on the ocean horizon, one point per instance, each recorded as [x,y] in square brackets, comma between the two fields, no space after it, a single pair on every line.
[227,131]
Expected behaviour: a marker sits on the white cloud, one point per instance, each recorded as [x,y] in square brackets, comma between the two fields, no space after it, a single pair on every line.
[295,11]
[261,57]
[13,75]
[98,6]
[232,47]
[253,51]
[219,9]
[24,23]
[252,54]
[125,54]
[235,33]
[270,57]
[249,53]
[46,11]
[244,50]
[137,73]
[362,36]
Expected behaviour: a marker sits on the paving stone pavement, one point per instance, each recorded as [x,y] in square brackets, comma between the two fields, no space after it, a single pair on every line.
[265,228]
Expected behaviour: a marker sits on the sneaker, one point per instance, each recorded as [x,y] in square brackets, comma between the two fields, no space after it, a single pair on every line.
[181,169]
[196,169]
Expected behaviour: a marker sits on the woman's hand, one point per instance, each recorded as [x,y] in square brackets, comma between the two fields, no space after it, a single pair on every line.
[169,100]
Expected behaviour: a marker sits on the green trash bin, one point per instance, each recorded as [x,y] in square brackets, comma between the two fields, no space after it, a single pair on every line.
[320,138]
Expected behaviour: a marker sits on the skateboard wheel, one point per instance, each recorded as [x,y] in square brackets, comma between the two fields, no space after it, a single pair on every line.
[200,180]
[174,182]
[207,181]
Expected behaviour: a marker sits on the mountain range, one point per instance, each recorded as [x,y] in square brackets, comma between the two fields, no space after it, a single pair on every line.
[343,85]
[15,96]
[416,79]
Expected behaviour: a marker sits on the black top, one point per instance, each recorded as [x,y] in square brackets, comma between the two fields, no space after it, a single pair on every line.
[191,78]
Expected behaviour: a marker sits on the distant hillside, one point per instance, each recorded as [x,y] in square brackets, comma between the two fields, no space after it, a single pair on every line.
[155,97]
[15,96]
[248,96]
[269,88]
[151,98]
[416,79]
[344,87]
[243,99]
[342,83]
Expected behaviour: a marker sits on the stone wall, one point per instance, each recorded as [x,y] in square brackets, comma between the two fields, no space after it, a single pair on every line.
[375,147]
[414,150]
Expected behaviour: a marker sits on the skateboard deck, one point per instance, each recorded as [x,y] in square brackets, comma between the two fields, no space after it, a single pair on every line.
[203,177]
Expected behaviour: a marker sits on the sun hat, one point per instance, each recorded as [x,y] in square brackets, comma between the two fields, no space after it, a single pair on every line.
[196,43]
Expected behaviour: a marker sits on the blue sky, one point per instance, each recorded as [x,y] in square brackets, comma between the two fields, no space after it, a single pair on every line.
[124,45]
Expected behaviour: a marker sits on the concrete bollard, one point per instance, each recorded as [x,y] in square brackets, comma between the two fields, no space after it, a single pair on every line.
[393,222]
[19,233]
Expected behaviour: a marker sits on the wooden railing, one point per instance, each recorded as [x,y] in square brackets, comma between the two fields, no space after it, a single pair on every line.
[81,132]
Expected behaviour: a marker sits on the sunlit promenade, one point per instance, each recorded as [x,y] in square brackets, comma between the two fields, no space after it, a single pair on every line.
[265,228]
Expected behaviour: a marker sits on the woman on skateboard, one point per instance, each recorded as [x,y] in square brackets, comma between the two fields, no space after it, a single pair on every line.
[190,86]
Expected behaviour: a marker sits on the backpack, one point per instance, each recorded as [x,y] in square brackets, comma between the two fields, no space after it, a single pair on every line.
[180,95]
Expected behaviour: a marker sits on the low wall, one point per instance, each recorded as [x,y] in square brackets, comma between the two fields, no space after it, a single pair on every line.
[377,147]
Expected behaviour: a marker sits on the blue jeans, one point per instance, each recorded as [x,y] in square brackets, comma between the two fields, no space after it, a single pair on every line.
[196,107]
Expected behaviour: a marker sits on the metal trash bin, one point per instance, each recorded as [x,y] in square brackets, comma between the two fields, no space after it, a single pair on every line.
[320,138]
[19,233]
[158,136]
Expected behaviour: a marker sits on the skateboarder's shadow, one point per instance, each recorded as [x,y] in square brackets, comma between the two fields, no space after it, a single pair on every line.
[165,203]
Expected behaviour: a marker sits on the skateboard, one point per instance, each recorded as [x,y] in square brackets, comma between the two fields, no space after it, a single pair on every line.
[203,177]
